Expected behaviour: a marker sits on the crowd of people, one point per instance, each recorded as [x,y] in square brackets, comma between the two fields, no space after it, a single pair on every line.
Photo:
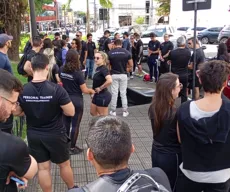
[190,141]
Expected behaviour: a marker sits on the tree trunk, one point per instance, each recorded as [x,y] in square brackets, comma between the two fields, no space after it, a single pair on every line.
[11,12]
[88,18]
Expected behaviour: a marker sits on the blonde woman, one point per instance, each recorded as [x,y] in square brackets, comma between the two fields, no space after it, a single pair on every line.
[101,80]
[53,74]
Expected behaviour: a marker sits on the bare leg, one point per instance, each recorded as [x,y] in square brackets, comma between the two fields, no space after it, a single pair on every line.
[44,176]
[93,110]
[66,173]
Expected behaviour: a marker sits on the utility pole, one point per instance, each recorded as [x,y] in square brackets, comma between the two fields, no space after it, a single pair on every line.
[33,24]
[151,13]
[87,17]
[95,16]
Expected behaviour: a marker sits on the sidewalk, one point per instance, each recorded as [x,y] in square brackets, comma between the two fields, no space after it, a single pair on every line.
[141,137]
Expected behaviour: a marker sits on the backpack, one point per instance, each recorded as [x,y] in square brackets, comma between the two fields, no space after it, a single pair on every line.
[102,43]
[137,182]
[21,64]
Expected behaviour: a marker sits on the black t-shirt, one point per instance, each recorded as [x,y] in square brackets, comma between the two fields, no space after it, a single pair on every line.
[83,50]
[154,46]
[99,76]
[200,57]
[8,124]
[41,103]
[29,57]
[118,58]
[166,140]
[121,176]
[106,44]
[139,48]
[14,156]
[91,47]
[55,71]
[72,82]
[179,60]
[165,47]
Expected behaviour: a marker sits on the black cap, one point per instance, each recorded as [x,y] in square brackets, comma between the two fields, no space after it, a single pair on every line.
[152,34]
[106,31]
[126,33]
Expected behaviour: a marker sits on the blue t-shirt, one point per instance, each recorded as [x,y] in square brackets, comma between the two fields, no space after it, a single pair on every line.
[5,63]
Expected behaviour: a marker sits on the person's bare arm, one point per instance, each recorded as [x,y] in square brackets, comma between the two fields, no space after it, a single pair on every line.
[58,78]
[190,65]
[178,132]
[28,68]
[86,55]
[18,111]
[86,90]
[130,64]
[68,109]
[167,54]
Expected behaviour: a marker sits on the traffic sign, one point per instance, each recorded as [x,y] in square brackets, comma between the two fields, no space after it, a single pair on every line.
[188,5]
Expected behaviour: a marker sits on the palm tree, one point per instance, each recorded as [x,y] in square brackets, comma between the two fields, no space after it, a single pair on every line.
[103,3]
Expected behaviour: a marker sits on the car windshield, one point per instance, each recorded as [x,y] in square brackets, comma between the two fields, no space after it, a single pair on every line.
[158,31]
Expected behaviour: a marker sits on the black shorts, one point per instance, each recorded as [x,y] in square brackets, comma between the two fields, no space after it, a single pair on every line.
[46,147]
[197,83]
[139,60]
[102,99]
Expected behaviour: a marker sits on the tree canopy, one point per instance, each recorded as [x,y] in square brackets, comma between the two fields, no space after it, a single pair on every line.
[163,8]
[103,3]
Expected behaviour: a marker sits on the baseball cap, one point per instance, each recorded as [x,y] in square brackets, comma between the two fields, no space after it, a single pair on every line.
[126,33]
[4,38]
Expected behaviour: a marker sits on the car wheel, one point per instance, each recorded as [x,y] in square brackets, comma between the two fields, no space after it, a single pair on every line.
[223,40]
[205,40]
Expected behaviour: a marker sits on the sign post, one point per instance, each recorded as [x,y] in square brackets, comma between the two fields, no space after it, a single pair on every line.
[195,5]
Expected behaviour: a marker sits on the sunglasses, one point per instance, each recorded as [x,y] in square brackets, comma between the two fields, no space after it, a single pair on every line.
[96,58]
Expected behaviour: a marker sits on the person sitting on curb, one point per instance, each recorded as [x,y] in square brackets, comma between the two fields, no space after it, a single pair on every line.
[109,149]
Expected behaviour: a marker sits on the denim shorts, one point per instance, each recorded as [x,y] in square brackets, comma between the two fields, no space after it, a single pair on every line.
[102,99]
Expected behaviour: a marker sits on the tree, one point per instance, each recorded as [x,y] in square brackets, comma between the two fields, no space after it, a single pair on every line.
[80,14]
[11,16]
[163,8]
[103,3]
[140,20]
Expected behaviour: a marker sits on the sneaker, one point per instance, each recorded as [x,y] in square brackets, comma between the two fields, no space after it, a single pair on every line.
[75,151]
[140,75]
[131,77]
[125,113]
[113,113]
[151,81]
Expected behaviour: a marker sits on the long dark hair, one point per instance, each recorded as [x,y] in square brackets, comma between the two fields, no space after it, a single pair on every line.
[72,62]
[47,43]
[223,51]
[162,106]
[78,43]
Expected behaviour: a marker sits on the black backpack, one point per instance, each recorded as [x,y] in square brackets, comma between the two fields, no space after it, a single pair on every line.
[137,182]
[20,67]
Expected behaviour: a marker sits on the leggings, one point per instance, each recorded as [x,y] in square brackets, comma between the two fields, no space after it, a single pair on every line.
[75,120]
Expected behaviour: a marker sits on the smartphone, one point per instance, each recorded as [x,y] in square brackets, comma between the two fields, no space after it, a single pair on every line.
[20,182]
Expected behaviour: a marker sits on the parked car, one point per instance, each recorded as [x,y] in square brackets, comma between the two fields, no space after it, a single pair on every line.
[59,30]
[182,30]
[159,30]
[130,29]
[209,35]
[190,31]
[224,34]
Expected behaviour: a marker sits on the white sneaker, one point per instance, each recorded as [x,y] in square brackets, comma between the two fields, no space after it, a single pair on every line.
[131,77]
[125,114]
[113,113]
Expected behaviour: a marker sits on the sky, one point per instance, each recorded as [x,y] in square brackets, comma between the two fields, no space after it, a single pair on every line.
[80,5]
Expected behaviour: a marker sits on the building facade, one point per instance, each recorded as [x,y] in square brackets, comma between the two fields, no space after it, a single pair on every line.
[217,16]
[125,13]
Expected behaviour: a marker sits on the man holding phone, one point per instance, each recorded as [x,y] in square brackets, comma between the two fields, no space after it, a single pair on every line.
[14,155]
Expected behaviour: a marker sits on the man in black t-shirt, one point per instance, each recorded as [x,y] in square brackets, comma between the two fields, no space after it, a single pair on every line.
[200,58]
[109,149]
[139,54]
[37,43]
[84,51]
[121,62]
[165,48]
[153,54]
[44,103]
[14,155]
[91,47]
[179,59]
[105,43]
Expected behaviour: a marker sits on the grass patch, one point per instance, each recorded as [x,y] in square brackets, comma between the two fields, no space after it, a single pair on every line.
[17,120]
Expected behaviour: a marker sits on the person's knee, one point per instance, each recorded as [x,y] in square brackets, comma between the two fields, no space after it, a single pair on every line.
[44,166]
[64,164]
